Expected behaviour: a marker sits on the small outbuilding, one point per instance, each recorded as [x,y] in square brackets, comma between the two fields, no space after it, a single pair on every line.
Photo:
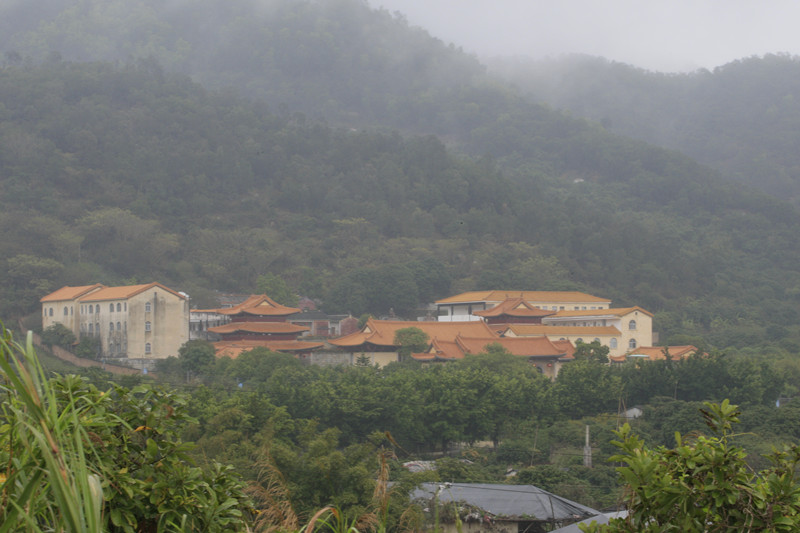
[487,507]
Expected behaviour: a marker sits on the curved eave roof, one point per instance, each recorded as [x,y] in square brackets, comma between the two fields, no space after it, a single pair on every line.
[382,332]
[259,305]
[519,346]
[258,327]
[516,307]
[233,349]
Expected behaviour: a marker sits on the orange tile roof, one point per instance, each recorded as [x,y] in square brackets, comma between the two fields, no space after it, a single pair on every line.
[381,332]
[444,350]
[614,311]
[514,307]
[521,347]
[529,296]
[69,293]
[233,349]
[568,348]
[656,353]
[125,291]
[532,330]
[258,327]
[260,305]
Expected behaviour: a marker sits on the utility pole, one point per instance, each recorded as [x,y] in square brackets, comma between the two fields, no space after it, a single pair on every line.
[587,450]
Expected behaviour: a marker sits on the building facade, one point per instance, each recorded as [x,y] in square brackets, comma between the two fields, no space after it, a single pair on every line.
[462,307]
[137,323]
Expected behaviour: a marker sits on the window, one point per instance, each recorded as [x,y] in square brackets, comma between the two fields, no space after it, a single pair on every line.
[612,344]
[91,309]
[97,327]
[596,340]
[147,347]
[147,326]
[91,328]
[110,326]
[126,306]
[147,307]
[632,324]
[118,326]
[97,309]
[110,308]
[119,307]
[578,340]
[51,311]
[66,311]
[632,344]
[70,310]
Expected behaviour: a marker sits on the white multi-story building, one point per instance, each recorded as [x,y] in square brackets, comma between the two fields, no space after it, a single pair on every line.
[134,322]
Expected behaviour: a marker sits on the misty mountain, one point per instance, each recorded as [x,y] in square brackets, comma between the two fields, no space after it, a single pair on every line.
[100,161]
[742,118]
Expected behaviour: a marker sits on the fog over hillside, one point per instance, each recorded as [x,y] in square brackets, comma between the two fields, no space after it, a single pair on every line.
[669,36]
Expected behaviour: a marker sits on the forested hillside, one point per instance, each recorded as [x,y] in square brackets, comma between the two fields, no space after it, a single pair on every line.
[741,118]
[101,161]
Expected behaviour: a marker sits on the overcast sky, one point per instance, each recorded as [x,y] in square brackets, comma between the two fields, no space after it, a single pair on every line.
[664,35]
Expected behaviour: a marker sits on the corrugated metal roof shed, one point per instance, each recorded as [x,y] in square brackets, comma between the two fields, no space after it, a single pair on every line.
[508,501]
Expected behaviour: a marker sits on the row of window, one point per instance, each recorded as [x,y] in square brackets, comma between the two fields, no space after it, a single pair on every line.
[121,326]
[119,348]
[631,324]
[91,309]
[612,343]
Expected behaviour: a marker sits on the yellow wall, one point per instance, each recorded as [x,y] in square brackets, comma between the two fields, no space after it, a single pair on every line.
[169,324]
[380,358]
[70,320]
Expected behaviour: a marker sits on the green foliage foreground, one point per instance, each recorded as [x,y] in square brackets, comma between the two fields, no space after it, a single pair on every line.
[79,459]
[704,483]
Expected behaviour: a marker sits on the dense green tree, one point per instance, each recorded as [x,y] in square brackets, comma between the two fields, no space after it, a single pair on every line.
[88,347]
[410,340]
[196,356]
[704,483]
[83,459]
[276,288]
[592,351]
[58,335]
